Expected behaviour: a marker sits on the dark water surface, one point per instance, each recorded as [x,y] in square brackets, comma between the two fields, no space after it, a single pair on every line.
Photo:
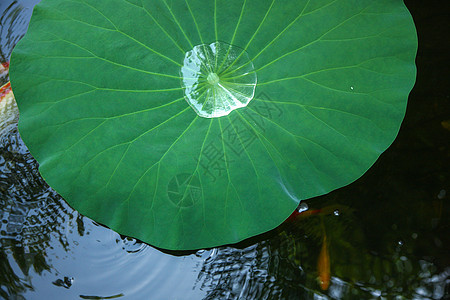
[388,233]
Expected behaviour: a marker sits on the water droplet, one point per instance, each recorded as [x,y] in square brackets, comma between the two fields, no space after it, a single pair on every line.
[400,243]
[414,235]
[336,212]
[442,194]
[302,207]
[351,88]
[217,79]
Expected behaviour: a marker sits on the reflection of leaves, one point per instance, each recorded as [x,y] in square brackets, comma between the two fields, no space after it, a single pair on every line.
[66,282]
[255,272]
[101,297]
[13,23]
[30,211]
[10,283]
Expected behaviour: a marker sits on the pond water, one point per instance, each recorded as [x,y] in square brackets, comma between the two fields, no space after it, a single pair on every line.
[388,233]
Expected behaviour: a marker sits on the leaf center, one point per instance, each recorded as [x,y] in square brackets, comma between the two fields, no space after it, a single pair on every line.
[213,78]
[217,78]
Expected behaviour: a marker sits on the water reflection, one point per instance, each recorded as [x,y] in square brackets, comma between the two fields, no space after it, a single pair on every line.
[30,212]
[386,238]
[283,266]
[14,23]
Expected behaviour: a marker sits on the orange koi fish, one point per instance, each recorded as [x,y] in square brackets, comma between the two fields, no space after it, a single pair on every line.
[323,262]
[5,90]
[4,66]
[323,265]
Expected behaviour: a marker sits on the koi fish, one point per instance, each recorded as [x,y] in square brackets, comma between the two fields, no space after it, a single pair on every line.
[4,68]
[6,88]
[8,106]
[323,261]
[322,211]
[296,214]
[323,265]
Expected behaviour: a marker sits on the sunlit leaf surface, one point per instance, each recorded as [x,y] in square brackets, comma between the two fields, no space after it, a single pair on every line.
[115,122]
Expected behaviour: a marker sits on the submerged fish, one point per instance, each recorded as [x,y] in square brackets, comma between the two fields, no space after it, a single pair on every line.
[327,210]
[323,265]
[323,262]
[4,66]
[5,90]
[8,107]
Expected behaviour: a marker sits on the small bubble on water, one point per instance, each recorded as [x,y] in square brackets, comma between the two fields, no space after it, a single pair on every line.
[302,207]
[442,194]
[199,253]
[352,88]
[414,235]
[336,212]
[400,243]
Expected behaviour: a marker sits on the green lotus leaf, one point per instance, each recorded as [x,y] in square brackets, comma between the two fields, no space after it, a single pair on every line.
[191,124]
